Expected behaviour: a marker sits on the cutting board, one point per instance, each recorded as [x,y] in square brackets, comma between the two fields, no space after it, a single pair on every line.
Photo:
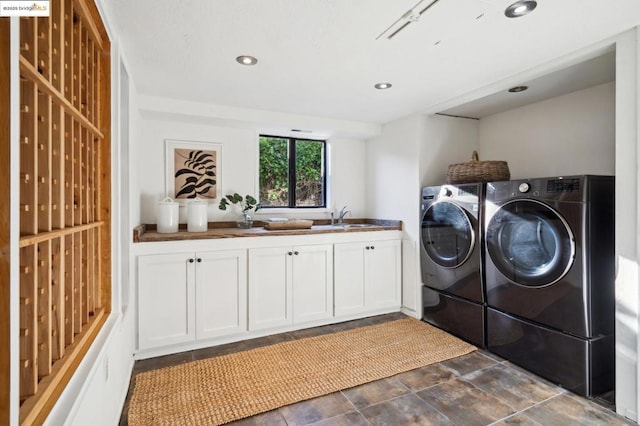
[290,224]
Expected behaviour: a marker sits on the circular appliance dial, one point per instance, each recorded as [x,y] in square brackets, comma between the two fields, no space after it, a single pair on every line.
[524,187]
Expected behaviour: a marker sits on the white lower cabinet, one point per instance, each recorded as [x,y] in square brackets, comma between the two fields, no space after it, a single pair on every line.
[367,276]
[290,285]
[187,296]
[166,299]
[191,295]
[221,293]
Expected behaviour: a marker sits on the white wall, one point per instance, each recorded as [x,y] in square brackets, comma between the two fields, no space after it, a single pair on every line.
[627,223]
[236,171]
[446,140]
[347,175]
[410,153]
[393,192]
[239,164]
[567,135]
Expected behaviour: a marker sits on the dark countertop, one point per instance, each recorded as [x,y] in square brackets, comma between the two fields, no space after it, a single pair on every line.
[147,233]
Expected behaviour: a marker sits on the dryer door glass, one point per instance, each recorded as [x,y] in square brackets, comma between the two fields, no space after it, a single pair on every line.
[447,234]
[530,243]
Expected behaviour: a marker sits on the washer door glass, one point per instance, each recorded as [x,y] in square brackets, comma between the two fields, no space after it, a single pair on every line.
[447,234]
[530,243]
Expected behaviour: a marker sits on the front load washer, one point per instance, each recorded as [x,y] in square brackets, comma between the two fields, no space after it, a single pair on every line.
[549,266]
[453,296]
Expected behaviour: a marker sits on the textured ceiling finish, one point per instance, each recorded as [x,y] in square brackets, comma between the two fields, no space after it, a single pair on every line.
[321,57]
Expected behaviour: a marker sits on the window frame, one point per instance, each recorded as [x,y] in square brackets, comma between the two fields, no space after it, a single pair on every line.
[291,148]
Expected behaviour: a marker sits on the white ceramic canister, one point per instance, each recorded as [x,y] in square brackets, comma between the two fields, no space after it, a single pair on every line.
[197,215]
[167,214]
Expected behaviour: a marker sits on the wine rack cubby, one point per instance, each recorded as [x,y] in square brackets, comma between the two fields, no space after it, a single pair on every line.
[64,197]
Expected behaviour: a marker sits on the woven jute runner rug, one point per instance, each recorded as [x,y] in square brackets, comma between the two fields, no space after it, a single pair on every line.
[230,387]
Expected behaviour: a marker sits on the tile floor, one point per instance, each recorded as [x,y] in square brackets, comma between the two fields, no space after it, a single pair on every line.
[475,389]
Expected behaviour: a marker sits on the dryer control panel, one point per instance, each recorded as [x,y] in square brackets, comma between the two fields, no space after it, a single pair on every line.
[563,185]
[570,188]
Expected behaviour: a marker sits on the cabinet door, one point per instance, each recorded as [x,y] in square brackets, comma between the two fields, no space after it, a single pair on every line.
[269,287]
[312,282]
[166,297]
[383,274]
[221,293]
[349,289]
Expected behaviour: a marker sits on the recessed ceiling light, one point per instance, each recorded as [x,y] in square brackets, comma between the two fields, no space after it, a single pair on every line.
[246,60]
[382,86]
[520,8]
[518,89]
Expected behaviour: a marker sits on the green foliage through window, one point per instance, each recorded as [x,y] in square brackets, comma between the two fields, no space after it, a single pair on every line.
[292,172]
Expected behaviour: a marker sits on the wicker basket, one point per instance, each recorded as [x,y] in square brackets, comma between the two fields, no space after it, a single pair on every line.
[478,171]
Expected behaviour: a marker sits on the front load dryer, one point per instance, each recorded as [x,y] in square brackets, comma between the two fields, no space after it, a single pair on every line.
[549,268]
[450,259]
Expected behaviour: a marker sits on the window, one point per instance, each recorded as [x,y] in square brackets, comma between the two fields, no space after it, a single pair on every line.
[292,172]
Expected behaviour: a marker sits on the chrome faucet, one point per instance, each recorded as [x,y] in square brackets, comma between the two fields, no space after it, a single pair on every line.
[342,214]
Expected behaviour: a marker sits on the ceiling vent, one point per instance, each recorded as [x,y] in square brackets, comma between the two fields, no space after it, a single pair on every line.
[410,16]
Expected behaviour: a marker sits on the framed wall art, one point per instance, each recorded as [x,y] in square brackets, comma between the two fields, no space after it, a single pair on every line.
[192,170]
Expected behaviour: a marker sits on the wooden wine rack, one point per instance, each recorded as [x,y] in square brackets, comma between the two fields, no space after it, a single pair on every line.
[64,197]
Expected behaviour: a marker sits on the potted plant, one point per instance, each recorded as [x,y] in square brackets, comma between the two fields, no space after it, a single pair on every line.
[247,203]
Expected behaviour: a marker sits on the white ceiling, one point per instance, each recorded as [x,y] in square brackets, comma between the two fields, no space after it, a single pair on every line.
[589,73]
[321,57]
